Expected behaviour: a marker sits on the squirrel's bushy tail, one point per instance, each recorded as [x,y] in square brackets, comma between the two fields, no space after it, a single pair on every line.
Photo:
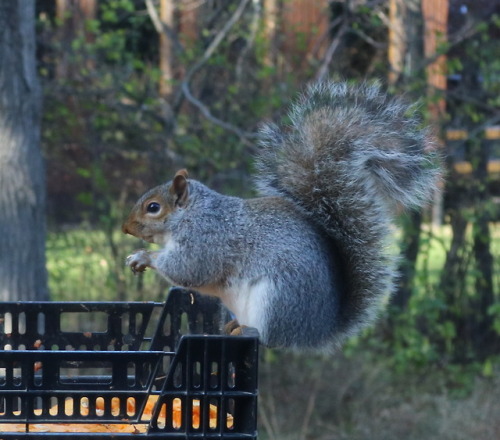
[349,158]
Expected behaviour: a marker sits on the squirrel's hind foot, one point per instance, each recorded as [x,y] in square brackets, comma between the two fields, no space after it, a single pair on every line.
[233,328]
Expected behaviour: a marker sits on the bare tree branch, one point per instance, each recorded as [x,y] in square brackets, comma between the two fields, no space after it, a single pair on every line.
[365,37]
[205,111]
[254,28]
[185,87]
[323,70]
[324,37]
[218,38]
[161,27]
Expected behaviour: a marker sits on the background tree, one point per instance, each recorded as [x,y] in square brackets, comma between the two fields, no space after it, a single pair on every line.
[405,54]
[22,181]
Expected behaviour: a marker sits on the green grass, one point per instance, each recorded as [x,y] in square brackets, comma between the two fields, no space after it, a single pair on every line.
[432,256]
[82,267]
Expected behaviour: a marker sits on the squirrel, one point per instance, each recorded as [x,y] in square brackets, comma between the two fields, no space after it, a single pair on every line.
[307,262]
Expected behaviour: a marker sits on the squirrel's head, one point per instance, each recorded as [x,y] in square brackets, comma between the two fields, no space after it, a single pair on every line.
[148,216]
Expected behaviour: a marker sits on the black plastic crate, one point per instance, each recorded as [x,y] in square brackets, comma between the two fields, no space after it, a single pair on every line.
[120,358]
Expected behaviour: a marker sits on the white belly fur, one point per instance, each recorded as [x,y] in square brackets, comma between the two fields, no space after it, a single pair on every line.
[249,301]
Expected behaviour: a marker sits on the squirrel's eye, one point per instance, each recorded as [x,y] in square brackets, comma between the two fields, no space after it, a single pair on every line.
[153,208]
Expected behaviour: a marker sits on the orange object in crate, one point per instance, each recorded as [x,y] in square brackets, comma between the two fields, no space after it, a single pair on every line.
[122,427]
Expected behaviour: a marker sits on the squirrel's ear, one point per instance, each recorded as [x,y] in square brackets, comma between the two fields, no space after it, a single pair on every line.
[182,172]
[180,187]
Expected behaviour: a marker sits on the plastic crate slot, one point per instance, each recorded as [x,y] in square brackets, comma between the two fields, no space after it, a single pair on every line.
[176,413]
[231,375]
[37,374]
[100,407]
[161,423]
[166,361]
[125,323]
[69,406]
[40,323]
[82,407]
[112,407]
[21,323]
[230,406]
[131,374]
[3,374]
[37,406]
[17,376]
[14,406]
[214,375]
[131,407]
[145,373]
[139,319]
[54,406]
[196,378]
[213,413]
[178,376]
[184,327]
[7,323]
[167,325]
[196,420]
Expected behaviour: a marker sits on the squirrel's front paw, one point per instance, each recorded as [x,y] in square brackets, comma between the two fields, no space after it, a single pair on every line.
[139,261]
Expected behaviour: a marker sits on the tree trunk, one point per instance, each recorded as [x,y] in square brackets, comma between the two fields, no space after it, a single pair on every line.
[73,15]
[407,267]
[398,41]
[435,34]
[453,281]
[405,53]
[405,40]
[484,294]
[22,178]
[167,12]
[272,10]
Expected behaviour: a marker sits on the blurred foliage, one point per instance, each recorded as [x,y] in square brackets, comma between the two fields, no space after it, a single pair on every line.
[359,395]
[109,134]
[82,268]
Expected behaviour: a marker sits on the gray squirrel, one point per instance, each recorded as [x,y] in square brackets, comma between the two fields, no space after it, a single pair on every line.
[308,262]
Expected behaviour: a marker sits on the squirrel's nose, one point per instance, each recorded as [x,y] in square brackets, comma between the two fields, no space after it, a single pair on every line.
[124,229]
